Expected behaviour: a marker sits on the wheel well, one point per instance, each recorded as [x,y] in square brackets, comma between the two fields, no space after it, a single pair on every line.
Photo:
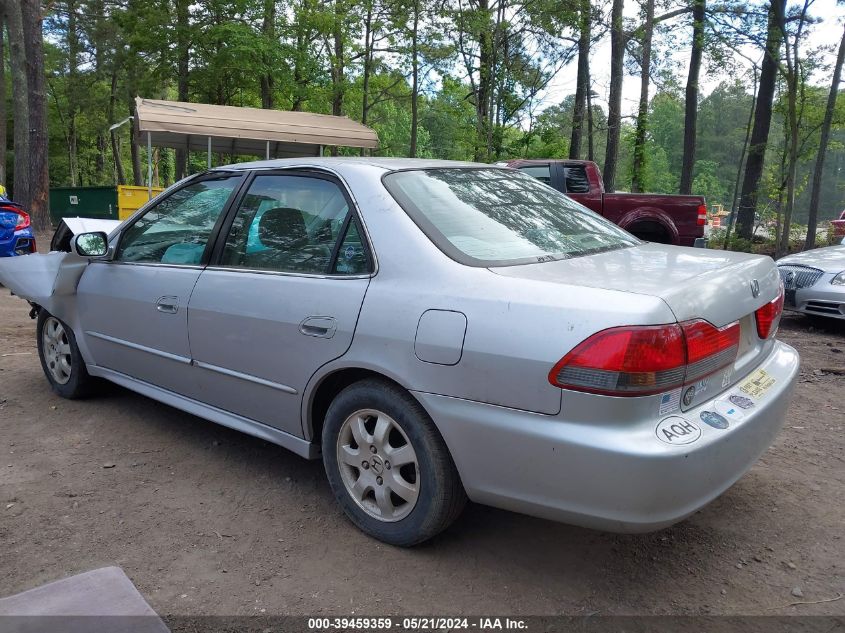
[332,385]
[651,232]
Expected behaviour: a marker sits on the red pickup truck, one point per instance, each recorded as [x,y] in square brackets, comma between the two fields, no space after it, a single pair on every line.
[839,225]
[663,218]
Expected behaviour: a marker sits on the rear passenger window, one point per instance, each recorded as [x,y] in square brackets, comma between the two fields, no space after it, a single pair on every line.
[352,254]
[287,224]
[540,172]
[576,180]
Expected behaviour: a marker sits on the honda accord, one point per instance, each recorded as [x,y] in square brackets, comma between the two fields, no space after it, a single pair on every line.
[434,332]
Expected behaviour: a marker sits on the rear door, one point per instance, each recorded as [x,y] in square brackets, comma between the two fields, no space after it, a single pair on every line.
[280,299]
[133,308]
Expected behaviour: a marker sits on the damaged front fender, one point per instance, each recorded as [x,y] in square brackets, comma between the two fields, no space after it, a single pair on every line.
[48,280]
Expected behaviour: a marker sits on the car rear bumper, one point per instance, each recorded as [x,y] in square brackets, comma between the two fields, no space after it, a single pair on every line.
[19,243]
[609,475]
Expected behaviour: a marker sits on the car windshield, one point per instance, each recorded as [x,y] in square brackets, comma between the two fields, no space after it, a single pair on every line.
[497,217]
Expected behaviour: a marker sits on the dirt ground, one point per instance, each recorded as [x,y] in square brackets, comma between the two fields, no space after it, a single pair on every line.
[205,520]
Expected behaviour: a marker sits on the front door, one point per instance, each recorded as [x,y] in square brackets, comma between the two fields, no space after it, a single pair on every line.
[280,299]
[133,309]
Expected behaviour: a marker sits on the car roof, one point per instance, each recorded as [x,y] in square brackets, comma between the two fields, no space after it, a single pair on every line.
[339,162]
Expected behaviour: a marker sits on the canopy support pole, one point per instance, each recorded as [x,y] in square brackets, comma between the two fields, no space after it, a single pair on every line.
[149,166]
[321,151]
[209,152]
[267,153]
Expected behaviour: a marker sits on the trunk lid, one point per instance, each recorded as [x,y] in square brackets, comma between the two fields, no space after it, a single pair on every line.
[695,283]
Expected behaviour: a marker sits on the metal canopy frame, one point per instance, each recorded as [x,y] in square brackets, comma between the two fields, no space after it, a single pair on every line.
[242,131]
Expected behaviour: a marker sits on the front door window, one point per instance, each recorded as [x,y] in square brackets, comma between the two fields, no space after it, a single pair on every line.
[177,229]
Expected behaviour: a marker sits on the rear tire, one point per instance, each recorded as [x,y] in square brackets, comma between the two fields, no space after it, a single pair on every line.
[61,359]
[403,502]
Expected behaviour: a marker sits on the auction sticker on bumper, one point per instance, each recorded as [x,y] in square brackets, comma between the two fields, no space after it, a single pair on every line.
[757,384]
[676,430]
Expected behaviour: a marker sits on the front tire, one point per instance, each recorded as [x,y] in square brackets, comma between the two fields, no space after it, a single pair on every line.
[61,359]
[388,466]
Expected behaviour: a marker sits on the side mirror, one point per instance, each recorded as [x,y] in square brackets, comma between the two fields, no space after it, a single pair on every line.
[94,244]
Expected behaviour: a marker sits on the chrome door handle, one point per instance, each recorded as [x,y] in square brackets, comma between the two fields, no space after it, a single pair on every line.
[168,305]
[320,326]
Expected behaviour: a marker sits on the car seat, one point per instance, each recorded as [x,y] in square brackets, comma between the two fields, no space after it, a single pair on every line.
[287,246]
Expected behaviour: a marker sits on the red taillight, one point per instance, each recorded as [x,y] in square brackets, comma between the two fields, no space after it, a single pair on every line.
[23,220]
[709,348]
[768,315]
[643,360]
[702,215]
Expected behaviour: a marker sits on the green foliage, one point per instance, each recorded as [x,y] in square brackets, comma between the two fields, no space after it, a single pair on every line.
[707,182]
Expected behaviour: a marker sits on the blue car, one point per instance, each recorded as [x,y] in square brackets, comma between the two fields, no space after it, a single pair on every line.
[16,236]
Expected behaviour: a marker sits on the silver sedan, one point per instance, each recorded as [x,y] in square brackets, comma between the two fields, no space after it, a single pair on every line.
[815,281]
[433,331]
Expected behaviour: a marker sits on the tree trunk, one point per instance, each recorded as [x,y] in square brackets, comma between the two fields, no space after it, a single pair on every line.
[268,29]
[691,105]
[365,80]
[415,79]
[591,141]
[794,79]
[73,91]
[337,66]
[183,61]
[298,75]
[20,104]
[791,163]
[39,176]
[582,82]
[739,166]
[3,117]
[762,123]
[134,150]
[818,171]
[485,85]
[614,110]
[303,38]
[115,140]
[638,179]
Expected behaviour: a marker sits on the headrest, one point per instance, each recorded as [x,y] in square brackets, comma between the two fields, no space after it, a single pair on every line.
[280,227]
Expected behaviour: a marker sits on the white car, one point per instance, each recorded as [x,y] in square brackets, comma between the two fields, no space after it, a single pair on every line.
[814,281]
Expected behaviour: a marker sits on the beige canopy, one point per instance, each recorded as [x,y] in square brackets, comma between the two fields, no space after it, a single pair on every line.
[251,131]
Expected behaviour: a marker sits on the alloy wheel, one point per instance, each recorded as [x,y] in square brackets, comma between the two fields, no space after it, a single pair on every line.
[378,465]
[56,350]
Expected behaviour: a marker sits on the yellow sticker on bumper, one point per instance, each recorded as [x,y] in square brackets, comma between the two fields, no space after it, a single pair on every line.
[757,384]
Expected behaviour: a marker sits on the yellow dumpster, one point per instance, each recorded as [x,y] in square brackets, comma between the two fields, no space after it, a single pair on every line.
[130,199]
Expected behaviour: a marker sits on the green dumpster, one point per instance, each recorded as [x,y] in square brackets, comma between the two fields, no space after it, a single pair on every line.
[83,202]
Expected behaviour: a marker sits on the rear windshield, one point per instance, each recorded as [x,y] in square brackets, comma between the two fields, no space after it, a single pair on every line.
[500,217]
